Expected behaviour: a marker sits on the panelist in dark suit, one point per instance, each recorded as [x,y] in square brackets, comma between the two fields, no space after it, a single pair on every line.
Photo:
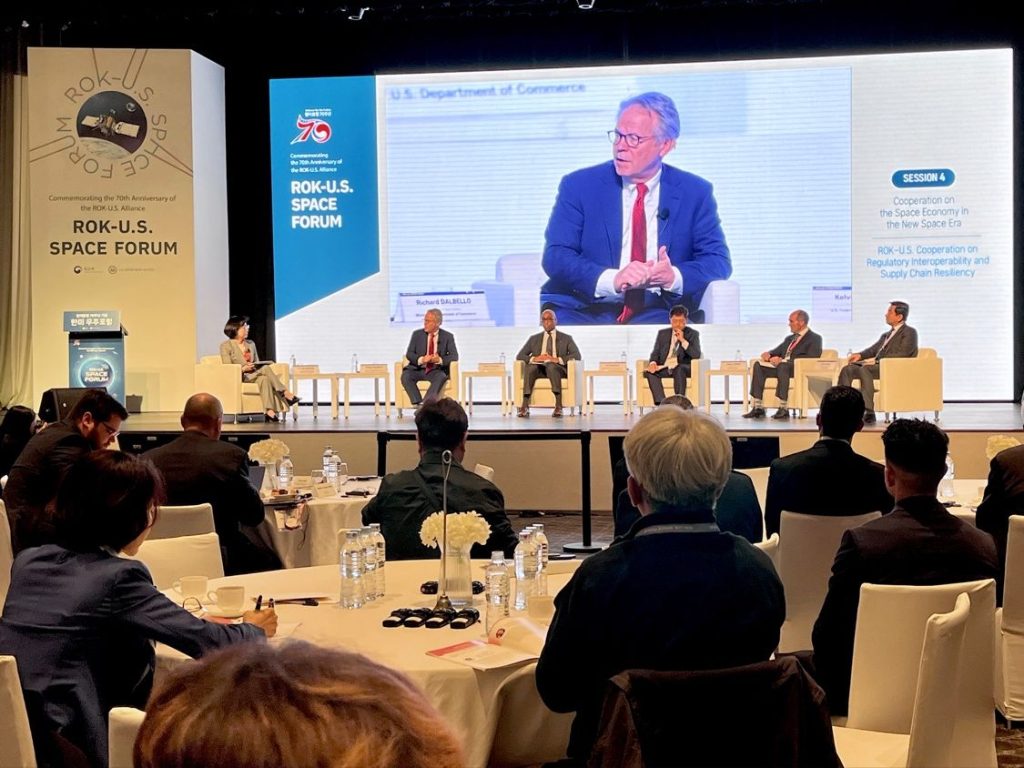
[778,364]
[918,543]
[900,341]
[93,422]
[630,238]
[1004,496]
[829,478]
[407,498]
[81,621]
[676,593]
[674,348]
[199,468]
[430,354]
[546,353]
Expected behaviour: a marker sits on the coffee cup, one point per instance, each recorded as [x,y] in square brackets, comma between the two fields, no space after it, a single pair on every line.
[230,598]
[191,586]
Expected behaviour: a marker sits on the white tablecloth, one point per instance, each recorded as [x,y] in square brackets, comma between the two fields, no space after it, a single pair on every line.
[316,543]
[464,696]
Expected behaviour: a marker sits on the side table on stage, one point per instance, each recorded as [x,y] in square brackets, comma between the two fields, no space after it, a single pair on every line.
[488,371]
[615,370]
[312,373]
[376,371]
[727,369]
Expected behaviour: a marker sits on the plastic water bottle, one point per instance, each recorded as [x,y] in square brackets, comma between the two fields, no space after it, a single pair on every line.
[622,357]
[292,360]
[285,473]
[496,577]
[381,545]
[739,355]
[340,478]
[328,461]
[502,359]
[542,558]
[526,568]
[352,591]
[355,363]
[369,563]
[946,487]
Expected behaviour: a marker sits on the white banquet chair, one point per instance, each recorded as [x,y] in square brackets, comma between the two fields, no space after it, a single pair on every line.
[16,748]
[170,559]
[526,732]
[770,547]
[6,554]
[1009,669]
[122,729]
[183,520]
[929,739]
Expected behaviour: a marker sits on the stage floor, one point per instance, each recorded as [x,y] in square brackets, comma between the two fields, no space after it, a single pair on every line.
[956,417]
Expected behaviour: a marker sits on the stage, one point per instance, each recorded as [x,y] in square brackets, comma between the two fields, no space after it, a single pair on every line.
[538,461]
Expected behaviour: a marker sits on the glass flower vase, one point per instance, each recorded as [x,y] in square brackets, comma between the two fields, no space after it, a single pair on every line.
[459,584]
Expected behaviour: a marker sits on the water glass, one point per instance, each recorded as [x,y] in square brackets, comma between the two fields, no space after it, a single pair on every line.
[342,474]
[318,477]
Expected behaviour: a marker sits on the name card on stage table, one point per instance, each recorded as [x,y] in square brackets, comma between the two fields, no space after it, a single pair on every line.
[612,366]
[378,368]
[736,367]
[464,308]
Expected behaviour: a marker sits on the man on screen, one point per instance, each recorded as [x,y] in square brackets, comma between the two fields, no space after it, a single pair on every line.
[630,238]
[778,364]
[900,341]
[674,348]
[546,353]
[430,354]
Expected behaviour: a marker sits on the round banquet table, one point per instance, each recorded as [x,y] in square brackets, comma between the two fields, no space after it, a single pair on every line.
[464,696]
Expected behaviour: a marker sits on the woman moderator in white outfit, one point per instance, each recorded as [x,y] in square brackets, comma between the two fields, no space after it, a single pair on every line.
[238,350]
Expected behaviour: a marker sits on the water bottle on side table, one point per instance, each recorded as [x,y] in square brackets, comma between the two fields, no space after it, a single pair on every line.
[526,568]
[286,474]
[369,563]
[378,540]
[355,363]
[497,589]
[352,590]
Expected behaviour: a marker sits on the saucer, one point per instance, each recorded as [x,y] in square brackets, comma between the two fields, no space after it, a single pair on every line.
[222,613]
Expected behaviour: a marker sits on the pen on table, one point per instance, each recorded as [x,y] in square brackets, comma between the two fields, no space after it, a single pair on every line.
[259,602]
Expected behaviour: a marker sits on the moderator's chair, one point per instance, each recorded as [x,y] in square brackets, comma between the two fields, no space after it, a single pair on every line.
[513,296]
[572,388]
[694,384]
[1009,669]
[891,622]
[807,549]
[240,399]
[16,747]
[807,371]
[450,388]
[928,740]
[682,718]
[122,730]
[170,559]
[184,520]
[6,555]
[525,731]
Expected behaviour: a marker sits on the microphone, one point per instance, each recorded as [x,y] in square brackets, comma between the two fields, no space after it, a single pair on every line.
[663,214]
[443,601]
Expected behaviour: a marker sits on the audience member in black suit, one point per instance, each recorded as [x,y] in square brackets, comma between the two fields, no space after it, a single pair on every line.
[93,423]
[828,478]
[17,428]
[409,497]
[1004,496]
[736,511]
[676,593]
[199,468]
[778,364]
[674,348]
[918,543]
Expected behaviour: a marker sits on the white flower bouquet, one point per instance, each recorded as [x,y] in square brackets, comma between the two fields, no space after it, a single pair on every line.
[464,530]
[268,451]
[998,444]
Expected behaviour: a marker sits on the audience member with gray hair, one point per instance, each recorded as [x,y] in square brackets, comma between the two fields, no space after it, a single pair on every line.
[676,593]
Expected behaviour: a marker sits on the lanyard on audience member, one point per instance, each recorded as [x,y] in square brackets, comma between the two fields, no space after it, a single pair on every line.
[678,528]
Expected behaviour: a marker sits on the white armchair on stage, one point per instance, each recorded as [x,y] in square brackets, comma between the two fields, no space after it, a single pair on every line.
[572,387]
[811,377]
[909,384]
[450,388]
[694,384]
[513,296]
[224,381]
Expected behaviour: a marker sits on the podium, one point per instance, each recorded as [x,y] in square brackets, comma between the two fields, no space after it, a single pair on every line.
[96,350]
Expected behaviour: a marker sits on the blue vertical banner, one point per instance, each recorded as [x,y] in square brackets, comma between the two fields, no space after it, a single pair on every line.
[96,351]
[323,146]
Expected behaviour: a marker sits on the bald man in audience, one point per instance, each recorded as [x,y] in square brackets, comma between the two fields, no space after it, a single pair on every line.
[918,543]
[199,467]
[675,593]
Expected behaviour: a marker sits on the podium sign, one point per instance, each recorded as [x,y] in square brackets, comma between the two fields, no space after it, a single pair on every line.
[96,351]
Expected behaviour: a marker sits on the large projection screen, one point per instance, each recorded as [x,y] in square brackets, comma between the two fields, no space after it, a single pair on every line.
[842,183]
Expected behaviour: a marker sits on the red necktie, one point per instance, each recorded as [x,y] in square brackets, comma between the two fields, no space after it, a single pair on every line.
[430,351]
[634,298]
[789,349]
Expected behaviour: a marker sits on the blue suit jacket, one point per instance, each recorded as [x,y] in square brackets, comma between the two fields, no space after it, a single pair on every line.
[418,348]
[81,626]
[584,234]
